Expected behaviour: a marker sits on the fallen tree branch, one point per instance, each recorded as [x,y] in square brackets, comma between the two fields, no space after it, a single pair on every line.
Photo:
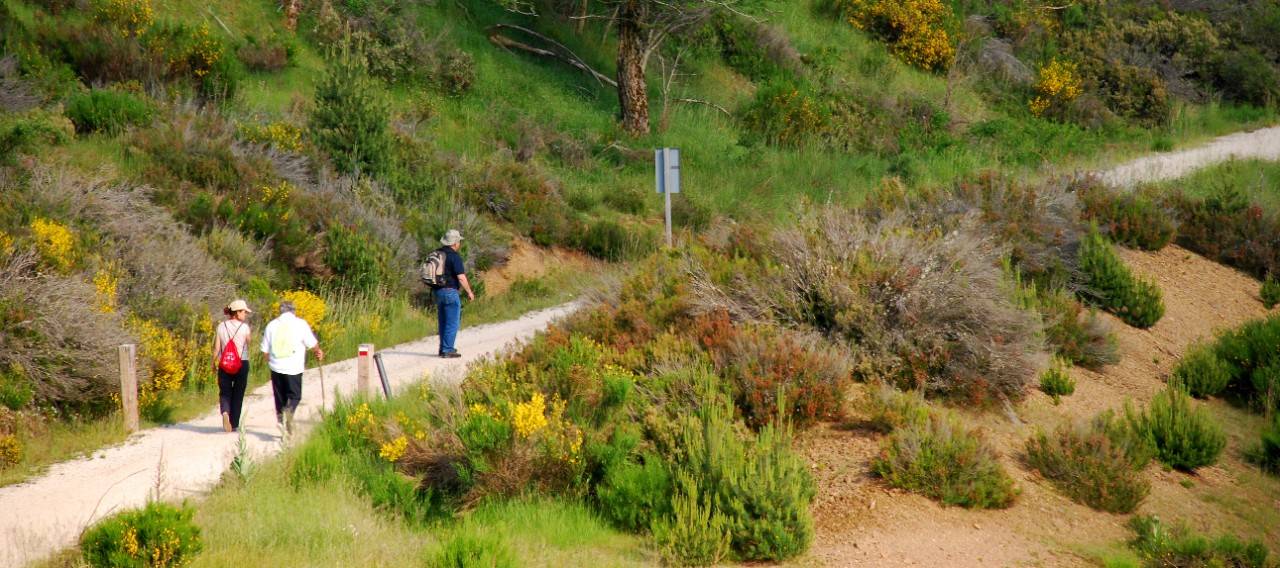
[565,54]
[708,103]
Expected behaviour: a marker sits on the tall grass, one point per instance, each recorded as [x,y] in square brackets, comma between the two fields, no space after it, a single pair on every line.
[1257,179]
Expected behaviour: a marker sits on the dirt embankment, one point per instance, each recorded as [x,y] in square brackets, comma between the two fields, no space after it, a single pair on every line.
[862,522]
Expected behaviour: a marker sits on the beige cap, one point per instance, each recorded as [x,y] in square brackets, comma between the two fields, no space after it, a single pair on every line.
[239,305]
[451,237]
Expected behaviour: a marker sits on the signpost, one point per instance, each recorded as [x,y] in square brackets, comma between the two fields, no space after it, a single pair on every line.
[666,173]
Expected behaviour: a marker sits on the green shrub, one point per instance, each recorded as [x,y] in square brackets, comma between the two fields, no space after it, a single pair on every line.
[1250,354]
[1267,453]
[316,462]
[634,495]
[1110,284]
[156,535]
[891,408]
[10,451]
[468,550]
[349,120]
[1099,465]
[33,129]
[1162,545]
[101,110]
[785,114]
[1201,372]
[941,459]
[1130,218]
[1184,437]
[1245,75]
[760,486]
[1075,333]
[695,533]
[611,240]
[1056,381]
[359,261]
[1228,226]
[1270,292]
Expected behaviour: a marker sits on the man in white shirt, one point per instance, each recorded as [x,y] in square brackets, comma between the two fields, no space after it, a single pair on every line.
[285,343]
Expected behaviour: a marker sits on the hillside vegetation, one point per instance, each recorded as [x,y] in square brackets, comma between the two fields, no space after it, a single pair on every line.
[850,214]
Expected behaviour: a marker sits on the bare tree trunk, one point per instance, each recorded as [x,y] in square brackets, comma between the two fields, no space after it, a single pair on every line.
[632,95]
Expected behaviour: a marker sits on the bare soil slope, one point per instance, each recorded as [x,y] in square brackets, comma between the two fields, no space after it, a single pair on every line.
[862,522]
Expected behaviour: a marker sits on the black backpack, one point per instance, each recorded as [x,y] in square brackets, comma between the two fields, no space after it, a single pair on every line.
[432,271]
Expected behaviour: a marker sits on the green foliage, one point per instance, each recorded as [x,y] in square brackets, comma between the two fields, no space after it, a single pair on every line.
[360,262]
[1075,333]
[27,132]
[1226,225]
[1110,284]
[1254,364]
[785,114]
[102,110]
[469,550]
[695,533]
[1055,380]
[760,487]
[1267,453]
[1245,75]
[316,462]
[1270,292]
[1100,464]
[633,495]
[155,536]
[349,120]
[1201,372]
[1185,438]
[611,240]
[1133,219]
[940,458]
[1178,545]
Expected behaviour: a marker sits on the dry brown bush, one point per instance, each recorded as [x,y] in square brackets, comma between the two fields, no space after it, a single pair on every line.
[52,331]
[923,310]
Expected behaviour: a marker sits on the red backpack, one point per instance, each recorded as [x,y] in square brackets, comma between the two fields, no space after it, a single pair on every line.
[229,360]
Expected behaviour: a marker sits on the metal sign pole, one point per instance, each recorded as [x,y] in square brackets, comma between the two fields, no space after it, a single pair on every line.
[667,195]
[666,163]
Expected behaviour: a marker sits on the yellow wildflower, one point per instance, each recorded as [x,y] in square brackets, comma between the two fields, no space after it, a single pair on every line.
[55,242]
[129,541]
[105,284]
[529,417]
[394,450]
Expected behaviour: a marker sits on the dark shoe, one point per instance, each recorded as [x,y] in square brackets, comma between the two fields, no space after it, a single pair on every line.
[451,355]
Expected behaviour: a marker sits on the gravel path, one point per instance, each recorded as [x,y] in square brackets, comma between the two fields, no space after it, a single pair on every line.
[1261,144]
[47,514]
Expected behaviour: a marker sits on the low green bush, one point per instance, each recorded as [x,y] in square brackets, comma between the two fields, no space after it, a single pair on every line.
[1184,437]
[157,535]
[1270,292]
[1130,218]
[349,119]
[315,462]
[1201,372]
[1227,226]
[611,240]
[1267,453]
[1099,464]
[633,495]
[1163,545]
[27,132]
[1075,333]
[103,110]
[359,261]
[1110,284]
[1254,363]
[1056,381]
[760,486]
[891,408]
[943,460]
[468,550]
[695,533]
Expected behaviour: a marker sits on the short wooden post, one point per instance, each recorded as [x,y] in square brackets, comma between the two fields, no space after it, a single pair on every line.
[364,368]
[129,386]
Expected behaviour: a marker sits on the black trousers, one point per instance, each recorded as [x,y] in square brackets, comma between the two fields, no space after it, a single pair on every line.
[287,390]
[231,392]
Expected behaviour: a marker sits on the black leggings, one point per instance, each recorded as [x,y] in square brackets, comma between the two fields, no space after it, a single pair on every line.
[231,392]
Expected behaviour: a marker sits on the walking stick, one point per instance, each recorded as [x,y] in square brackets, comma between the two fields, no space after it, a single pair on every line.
[322,402]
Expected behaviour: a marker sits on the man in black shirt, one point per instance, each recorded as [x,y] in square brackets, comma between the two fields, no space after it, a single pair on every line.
[448,301]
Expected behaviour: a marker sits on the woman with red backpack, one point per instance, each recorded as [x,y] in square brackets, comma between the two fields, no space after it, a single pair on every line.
[231,361]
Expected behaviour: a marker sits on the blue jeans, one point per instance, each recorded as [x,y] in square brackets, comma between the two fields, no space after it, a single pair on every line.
[449,315]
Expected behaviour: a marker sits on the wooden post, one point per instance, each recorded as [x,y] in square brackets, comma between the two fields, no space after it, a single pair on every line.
[364,368]
[129,386]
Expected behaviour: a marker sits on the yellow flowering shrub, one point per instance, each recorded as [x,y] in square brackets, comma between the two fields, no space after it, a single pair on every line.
[914,29]
[281,134]
[307,306]
[1058,84]
[393,450]
[6,244]
[204,53]
[55,242]
[106,284]
[167,354]
[10,450]
[362,422]
[132,17]
[529,417]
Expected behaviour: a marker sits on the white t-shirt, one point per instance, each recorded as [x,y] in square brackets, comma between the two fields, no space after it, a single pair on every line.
[285,342]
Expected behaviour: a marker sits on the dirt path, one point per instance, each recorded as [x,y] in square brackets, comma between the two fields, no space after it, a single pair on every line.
[862,522]
[47,514]
[1261,144]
